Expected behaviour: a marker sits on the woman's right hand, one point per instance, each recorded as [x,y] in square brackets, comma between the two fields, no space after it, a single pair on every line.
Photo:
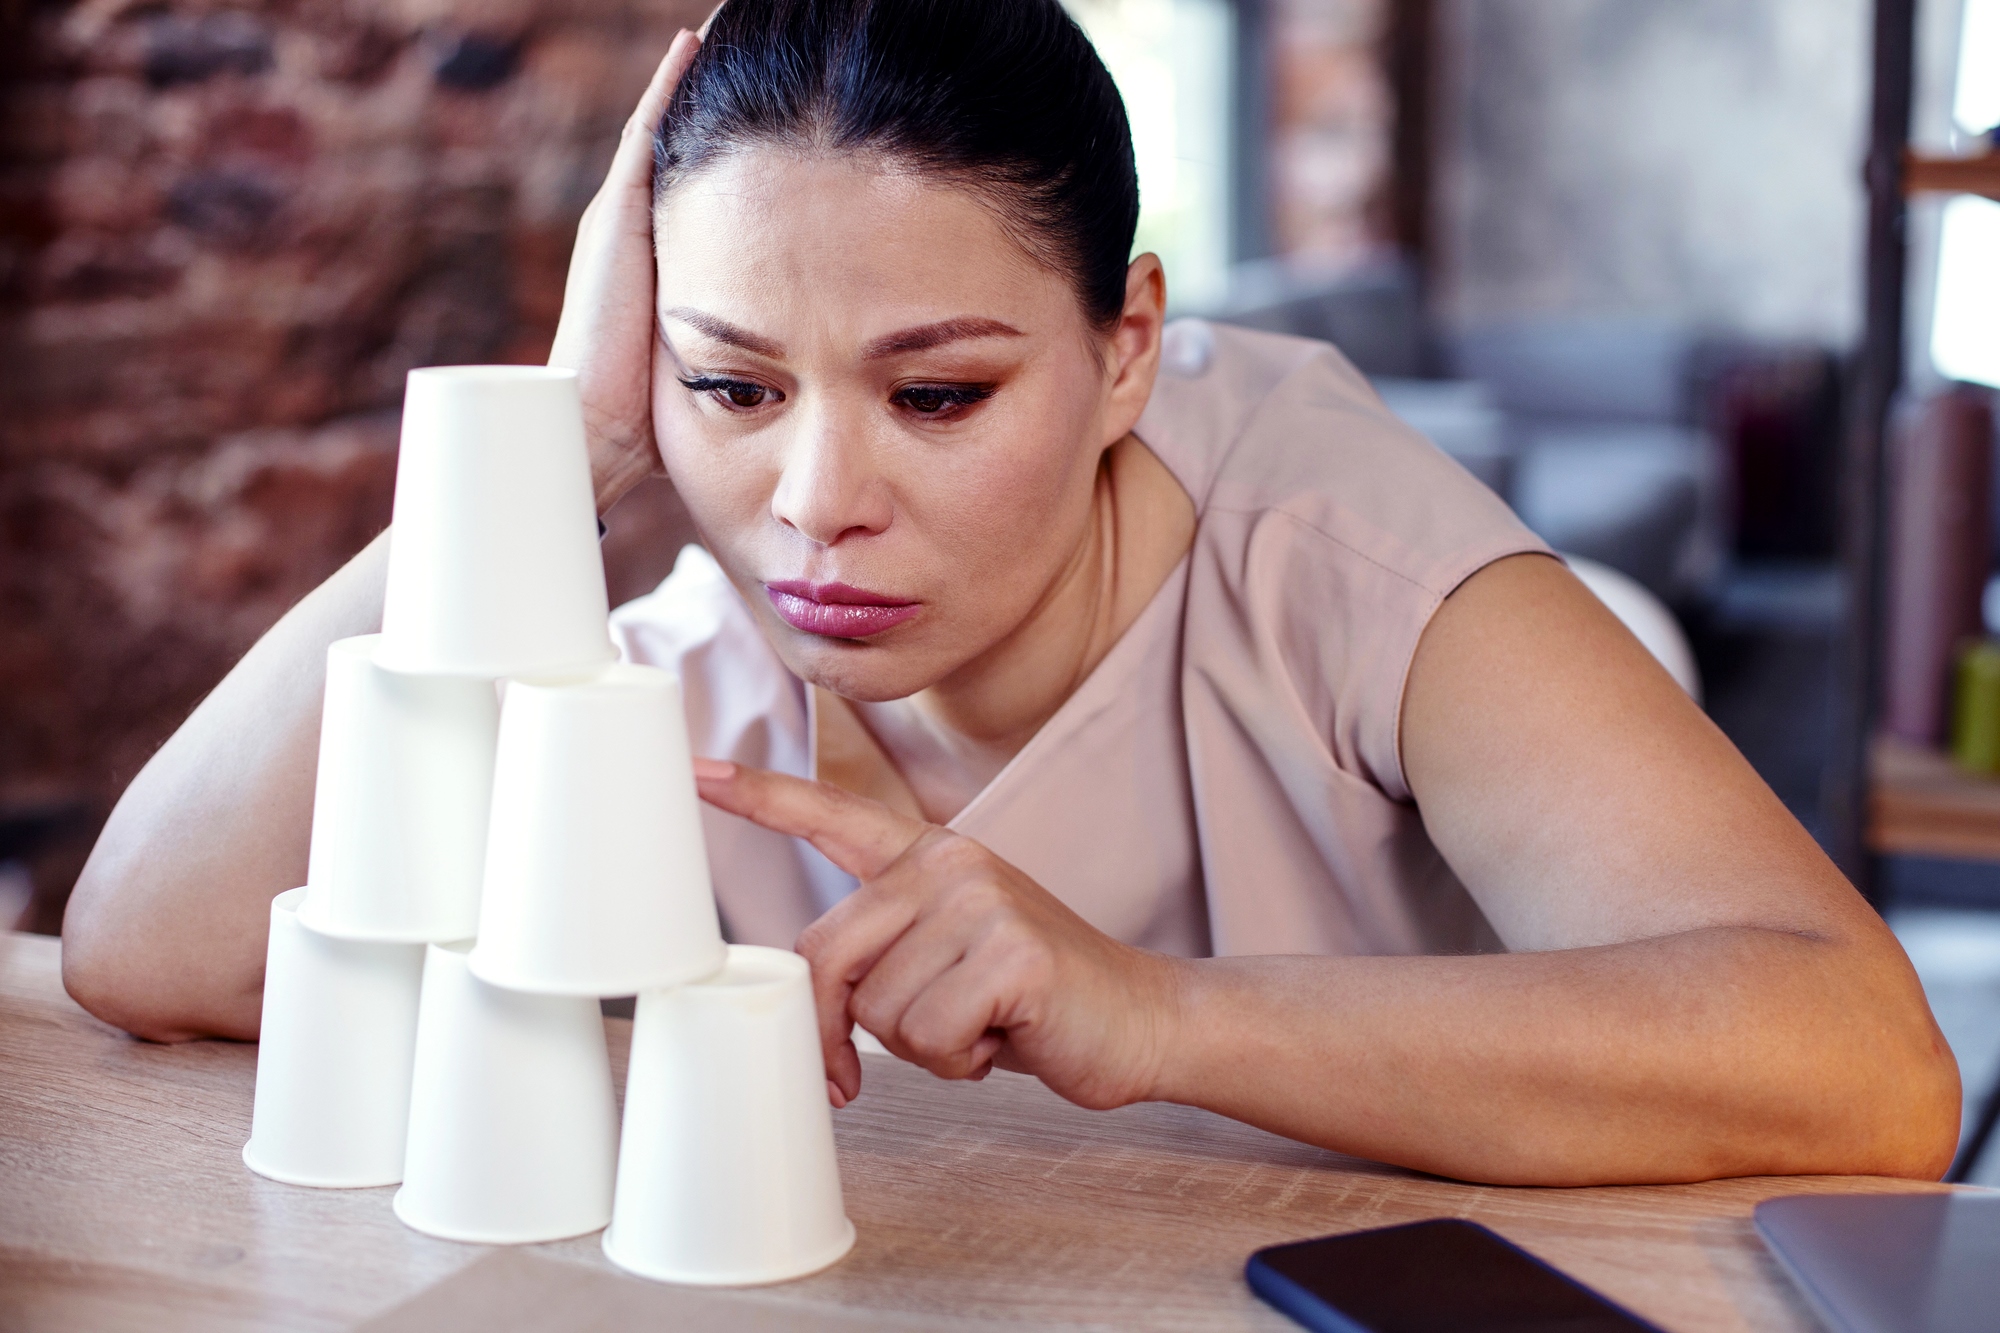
[606,333]
[956,960]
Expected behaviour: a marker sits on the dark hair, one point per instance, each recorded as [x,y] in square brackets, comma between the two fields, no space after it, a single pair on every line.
[1003,97]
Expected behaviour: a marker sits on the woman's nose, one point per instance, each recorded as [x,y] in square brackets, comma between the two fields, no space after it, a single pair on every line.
[829,488]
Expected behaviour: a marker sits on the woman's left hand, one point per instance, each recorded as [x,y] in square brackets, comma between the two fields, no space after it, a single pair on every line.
[954,959]
[607,329]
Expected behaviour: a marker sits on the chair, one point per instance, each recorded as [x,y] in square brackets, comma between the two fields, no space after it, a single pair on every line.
[1651,623]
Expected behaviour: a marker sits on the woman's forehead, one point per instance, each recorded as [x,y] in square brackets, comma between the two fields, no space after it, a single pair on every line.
[782,235]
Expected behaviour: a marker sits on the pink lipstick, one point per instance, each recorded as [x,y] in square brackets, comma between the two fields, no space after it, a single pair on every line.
[836,610]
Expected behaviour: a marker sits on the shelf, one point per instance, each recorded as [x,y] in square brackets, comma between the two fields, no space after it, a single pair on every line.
[1922,804]
[1952,175]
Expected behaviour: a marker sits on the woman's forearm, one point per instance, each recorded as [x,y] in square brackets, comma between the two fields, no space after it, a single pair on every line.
[165,932]
[1717,1052]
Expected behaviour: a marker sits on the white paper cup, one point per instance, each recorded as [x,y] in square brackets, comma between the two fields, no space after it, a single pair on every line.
[334,1056]
[726,1171]
[399,816]
[596,877]
[513,1127]
[493,561]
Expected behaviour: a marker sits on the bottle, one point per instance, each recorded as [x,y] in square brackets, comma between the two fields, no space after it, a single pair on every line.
[1939,555]
[1975,722]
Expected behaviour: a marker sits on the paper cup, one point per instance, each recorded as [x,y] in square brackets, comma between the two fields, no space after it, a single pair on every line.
[513,1129]
[596,877]
[726,1171]
[334,1056]
[493,561]
[399,816]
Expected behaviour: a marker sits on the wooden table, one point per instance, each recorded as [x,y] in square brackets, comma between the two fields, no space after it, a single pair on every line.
[1920,803]
[123,1204]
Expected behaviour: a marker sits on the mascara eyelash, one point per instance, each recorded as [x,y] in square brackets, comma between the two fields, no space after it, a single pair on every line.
[725,386]
[956,396]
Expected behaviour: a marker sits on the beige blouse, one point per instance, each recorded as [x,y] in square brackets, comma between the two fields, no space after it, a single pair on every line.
[1229,779]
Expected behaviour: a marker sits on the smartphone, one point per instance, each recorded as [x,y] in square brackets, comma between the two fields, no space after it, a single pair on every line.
[1444,1276]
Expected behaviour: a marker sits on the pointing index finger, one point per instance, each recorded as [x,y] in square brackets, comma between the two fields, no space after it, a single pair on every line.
[861,836]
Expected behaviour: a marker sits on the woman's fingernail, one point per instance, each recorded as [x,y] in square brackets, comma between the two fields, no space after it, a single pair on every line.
[835,1095]
[714,770]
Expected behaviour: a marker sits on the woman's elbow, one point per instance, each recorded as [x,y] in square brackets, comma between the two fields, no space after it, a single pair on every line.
[1916,1109]
[120,972]
[1892,1104]
[105,981]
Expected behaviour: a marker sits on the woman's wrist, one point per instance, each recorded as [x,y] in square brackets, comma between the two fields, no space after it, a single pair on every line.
[1218,1020]
[610,481]
[1174,1028]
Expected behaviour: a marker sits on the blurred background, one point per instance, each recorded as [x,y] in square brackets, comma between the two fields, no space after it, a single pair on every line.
[1661,275]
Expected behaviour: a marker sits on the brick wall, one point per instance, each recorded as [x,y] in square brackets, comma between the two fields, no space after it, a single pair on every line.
[1333,113]
[225,234]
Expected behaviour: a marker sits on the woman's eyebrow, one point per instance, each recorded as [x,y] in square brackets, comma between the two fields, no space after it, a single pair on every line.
[724,332]
[926,336]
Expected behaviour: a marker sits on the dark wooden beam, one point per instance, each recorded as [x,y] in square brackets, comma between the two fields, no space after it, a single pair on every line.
[1409,58]
[1250,217]
[1878,376]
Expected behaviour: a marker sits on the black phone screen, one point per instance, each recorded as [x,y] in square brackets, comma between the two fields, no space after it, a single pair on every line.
[1446,1276]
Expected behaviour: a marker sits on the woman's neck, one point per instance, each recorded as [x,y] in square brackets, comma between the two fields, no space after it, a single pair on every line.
[949,741]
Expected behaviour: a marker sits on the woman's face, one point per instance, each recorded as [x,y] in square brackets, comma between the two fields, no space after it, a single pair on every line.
[884,416]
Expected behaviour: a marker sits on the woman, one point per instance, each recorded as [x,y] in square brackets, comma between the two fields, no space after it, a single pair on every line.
[1166,720]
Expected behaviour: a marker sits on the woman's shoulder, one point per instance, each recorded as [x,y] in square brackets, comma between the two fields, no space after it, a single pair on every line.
[1329,534]
[1263,428]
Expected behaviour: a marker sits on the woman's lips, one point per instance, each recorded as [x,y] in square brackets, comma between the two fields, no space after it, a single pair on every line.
[836,610]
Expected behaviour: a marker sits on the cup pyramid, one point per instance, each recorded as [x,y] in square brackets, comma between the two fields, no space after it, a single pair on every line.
[506,830]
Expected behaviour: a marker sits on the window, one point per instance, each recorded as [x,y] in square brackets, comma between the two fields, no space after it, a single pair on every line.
[1965,330]
[1174,62]
[1976,107]
[1965,323]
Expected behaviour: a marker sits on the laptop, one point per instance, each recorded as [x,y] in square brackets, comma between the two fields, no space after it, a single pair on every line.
[1891,1263]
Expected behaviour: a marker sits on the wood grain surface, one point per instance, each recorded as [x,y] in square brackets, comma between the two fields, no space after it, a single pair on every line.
[124,1205]
[1920,803]
[1952,175]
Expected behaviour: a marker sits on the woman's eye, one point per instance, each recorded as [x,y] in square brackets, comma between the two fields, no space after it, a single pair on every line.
[938,399]
[738,393]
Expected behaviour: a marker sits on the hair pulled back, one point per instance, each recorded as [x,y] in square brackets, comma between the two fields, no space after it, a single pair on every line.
[1006,98]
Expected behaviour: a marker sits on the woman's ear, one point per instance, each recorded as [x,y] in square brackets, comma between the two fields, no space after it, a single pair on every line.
[1135,344]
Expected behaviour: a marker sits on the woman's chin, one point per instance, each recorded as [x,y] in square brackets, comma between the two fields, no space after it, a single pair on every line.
[858,669]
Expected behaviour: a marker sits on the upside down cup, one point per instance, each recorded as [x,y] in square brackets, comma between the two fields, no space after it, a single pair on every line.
[399,814]
[513,1127]
[596,875]
[333,1056]
[493,562]
[726,1171]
